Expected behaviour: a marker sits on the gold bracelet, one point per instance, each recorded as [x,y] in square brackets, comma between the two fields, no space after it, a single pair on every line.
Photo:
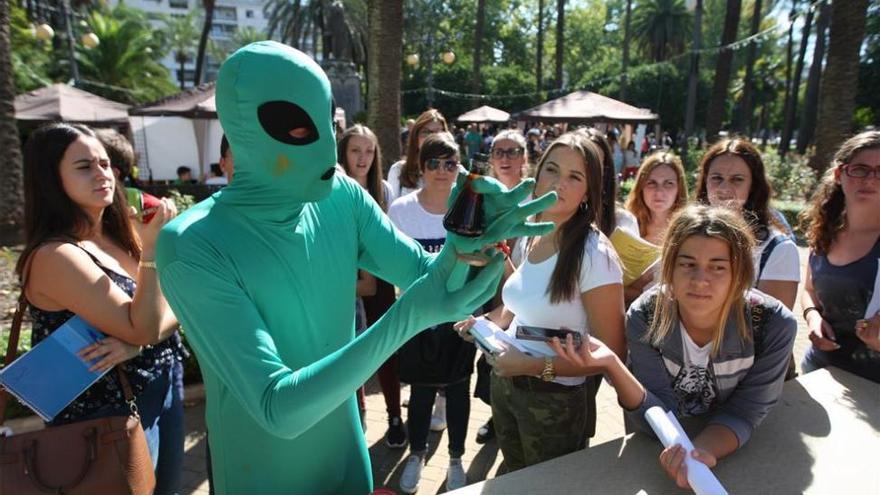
[147,264]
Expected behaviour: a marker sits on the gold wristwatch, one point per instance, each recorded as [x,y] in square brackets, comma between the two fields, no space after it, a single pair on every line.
[549,372]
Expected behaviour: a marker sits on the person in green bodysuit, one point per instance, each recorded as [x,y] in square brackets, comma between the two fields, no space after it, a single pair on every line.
[262,277]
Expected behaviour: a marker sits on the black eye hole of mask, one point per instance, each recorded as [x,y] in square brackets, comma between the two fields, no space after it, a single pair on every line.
[287,122]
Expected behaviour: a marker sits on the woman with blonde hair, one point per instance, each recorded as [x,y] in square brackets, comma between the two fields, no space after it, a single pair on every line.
[843,230]
[405,175]
[660,191]
[702,342]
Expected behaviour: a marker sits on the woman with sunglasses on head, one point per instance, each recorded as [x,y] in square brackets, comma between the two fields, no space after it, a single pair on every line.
[405,176]
[659,192]
[84,256]
[569,278]
[701,343]
[436,359]
[843,230]
[358,150]
[732,175]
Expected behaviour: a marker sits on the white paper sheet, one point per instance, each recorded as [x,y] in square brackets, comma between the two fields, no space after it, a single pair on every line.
[670,433]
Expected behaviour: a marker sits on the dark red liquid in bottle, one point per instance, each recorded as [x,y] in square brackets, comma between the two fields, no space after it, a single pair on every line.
[466,217]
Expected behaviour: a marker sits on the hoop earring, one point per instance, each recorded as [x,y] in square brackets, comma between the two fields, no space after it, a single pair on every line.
[584,206]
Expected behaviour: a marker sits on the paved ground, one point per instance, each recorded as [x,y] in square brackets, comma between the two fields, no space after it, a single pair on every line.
[481,461]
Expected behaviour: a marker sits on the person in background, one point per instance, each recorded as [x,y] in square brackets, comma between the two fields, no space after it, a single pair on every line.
[404,176]
[569,278]
[473,141]
[184,176]
[404,134]
[732,174]
[358,150]
[659,192]
[702,342]
[842,224]
[613,214]
[616,153]
[435,358]
[217,177]
[85,257]
[227,163]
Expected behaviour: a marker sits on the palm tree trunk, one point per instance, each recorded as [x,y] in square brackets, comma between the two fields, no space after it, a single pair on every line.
[539,58]
[744,120]
[11,183]
[789,58]
[181,74]
[788,123]
[691,103]
[626,39]
[478,45]
[560,40]
[203,40]
[837,92]
[383,96]
[723,64]
[811,98]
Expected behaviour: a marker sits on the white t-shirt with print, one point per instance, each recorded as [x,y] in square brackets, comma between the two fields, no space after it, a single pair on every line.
[525,292]
[397,190]
[783,263]
[694,385]
[408,215]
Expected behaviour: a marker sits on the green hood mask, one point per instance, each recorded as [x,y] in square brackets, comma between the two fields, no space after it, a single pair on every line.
[276,108]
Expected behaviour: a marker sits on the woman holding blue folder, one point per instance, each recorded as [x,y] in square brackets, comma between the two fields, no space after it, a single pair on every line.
[84,256]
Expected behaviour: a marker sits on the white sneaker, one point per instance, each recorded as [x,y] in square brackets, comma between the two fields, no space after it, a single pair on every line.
[412,474]
[438,418]
[455,476]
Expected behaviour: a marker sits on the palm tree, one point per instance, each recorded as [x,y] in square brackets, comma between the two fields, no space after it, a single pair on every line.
[539,56]
[127,57]
[11,184]
[811,98]
[181,35]
[837,92]
[791,108]
[242,36]
[662,27]
[744,121]
[627,35]
[385,50]
[478,45]
[299,24]
[203,40]
[560,40]
[723,63]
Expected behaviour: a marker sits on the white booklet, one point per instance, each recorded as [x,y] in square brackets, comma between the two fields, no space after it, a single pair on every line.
[670,433]
[491,339]
[874,303]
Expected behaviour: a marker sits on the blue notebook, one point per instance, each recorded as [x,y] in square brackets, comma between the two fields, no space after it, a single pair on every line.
[51,375]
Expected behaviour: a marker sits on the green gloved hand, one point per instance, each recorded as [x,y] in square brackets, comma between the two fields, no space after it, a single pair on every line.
[505,218]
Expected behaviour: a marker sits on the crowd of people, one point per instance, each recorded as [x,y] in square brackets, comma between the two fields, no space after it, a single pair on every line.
[707,331]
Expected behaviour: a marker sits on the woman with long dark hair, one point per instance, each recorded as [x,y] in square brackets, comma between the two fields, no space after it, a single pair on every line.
[85,257]
[843,230]
[359,154]
[570,278]
[732,174]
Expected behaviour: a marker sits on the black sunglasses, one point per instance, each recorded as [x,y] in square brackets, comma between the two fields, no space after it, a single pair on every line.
[451,165]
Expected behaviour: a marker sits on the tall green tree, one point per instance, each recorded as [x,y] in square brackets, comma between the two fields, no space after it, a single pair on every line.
[125,66]
[208,6]
[478,45]
[560,41]
[723,63]
[539,56]
[791,108]
[11,183]
[743,122]
[182,36]
[627,36]
[662,27]
[839,80]
[811,98]
[385,41]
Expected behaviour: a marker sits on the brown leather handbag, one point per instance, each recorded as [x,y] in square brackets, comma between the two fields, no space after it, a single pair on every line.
[105,456]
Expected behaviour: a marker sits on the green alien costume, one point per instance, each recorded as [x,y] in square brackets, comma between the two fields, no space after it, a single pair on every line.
[262,278]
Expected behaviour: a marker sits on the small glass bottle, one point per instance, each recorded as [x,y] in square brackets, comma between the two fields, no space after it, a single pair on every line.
[466,217]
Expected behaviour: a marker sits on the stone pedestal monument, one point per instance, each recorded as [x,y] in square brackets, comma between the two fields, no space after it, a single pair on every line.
[340,67]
